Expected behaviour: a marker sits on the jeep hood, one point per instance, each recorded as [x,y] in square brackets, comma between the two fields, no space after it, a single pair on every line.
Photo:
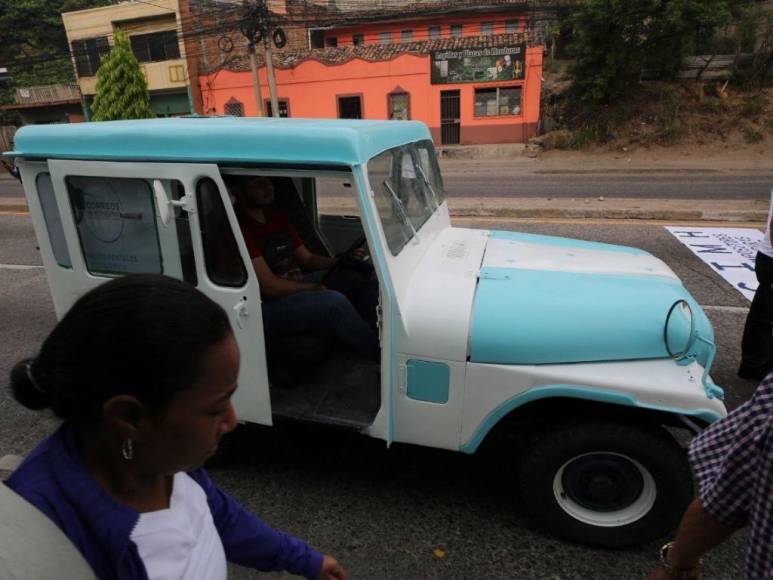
[548,300]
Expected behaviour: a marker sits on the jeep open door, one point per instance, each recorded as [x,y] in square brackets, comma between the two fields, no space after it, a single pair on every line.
[165,218]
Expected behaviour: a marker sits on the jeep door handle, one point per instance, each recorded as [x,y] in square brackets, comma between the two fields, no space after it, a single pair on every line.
[241,312]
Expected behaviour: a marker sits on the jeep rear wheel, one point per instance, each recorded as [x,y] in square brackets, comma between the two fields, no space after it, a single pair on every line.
[606,484]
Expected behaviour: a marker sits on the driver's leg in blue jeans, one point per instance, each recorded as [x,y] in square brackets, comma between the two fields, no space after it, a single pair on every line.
[319,311]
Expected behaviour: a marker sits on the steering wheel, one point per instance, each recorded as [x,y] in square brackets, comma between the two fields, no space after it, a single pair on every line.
[348,253]
[346,259]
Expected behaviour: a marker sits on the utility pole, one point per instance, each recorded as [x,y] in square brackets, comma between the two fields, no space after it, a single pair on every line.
[260,24]
[271,78]
[256,80]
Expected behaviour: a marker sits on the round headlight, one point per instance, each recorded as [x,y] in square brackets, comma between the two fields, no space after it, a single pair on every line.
[678,333]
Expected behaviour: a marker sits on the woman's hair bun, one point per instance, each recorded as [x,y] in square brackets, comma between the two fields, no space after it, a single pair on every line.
[25,387]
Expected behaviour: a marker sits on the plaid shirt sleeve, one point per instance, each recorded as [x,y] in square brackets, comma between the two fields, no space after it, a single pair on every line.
[727,458]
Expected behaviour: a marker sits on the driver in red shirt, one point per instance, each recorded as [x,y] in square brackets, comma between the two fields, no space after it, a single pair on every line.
[295,301]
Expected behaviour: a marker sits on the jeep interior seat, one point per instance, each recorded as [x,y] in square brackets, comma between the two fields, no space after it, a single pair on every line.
[297,350]
[288,199]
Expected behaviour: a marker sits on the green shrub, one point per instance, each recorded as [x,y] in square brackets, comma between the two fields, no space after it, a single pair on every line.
[752,135]
[753,106]
[712,106]
[672,133]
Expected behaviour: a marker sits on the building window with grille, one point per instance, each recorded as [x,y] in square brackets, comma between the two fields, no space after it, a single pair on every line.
[88,54]
[486,28]
[358,39]
[399,106]
[434,32]
[284,108]
[406,36]
[456,30]
[234,108]
[385,37]
[511,26]
[331,41]
[156,46]
[497,101]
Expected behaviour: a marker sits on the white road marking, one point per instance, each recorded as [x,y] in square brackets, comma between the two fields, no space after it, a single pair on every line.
[18,267]
[735,309]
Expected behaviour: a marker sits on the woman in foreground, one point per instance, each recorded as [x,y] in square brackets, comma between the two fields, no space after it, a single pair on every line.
[141,370]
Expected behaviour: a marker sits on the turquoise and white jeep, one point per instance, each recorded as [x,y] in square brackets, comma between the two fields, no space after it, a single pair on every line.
[591,350]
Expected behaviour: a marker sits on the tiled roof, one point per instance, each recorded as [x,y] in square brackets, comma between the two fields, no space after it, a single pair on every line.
[383,52]
[346,13]
[425,8]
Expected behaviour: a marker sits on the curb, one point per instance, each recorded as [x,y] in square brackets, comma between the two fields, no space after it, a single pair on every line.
[613,214]
[480,152]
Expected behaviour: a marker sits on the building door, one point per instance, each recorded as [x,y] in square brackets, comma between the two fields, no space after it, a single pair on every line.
[350,107]
[450,122]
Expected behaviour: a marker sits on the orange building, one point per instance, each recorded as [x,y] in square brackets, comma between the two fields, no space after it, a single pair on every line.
[471,77]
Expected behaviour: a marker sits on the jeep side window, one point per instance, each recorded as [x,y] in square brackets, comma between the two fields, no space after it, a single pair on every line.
[116,224]
[53,220]
[221,254]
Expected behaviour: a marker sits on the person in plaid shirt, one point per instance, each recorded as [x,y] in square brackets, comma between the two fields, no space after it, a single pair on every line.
[733,464]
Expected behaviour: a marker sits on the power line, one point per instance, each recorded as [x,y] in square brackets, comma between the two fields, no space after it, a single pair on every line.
[227,18]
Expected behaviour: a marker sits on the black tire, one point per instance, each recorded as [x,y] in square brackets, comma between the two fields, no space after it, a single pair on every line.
[606,484]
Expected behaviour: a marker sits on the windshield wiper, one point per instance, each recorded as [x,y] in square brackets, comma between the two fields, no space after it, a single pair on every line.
[400,206]
[435,197]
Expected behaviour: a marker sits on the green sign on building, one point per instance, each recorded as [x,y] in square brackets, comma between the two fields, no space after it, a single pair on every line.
[471,65]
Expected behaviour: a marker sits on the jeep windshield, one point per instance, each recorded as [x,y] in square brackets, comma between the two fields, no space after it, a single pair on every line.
[408,188]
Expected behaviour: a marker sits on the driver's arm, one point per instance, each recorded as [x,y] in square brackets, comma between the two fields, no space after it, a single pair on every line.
[272,286]
[312,262]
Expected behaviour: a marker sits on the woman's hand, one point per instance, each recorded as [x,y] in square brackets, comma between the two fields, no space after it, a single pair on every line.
[332,570]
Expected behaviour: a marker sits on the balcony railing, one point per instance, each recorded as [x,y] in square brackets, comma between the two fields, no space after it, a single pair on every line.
[47,94]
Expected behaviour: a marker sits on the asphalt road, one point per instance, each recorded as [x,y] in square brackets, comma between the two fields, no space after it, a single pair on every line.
[383,512]
[495,178]
[487,179]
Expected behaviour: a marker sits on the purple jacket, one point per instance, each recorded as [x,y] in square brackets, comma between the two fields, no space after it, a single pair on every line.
[54,479]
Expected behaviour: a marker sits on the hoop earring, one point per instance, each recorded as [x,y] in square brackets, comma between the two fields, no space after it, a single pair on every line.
[127,449]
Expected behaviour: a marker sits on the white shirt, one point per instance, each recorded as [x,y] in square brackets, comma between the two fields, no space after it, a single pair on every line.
[765,246]
[181,543]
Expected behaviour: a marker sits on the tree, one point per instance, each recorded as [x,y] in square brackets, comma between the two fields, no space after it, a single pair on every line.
[616,39]
[33,44]
[122,91]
